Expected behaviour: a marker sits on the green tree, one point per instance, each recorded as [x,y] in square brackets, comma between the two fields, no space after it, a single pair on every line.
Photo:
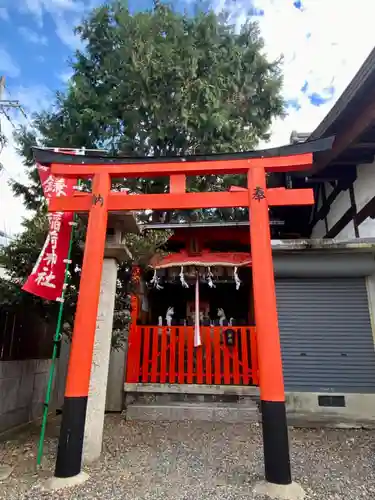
[153,83]
[160,83]
[20,255]
[18,259]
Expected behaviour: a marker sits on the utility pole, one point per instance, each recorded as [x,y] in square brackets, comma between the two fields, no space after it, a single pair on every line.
[6,105]
[2,85]
[2,138]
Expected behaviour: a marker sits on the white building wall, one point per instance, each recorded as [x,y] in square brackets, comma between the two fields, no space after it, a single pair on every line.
[364,191]
[328,188]
[367,228]
[364,186]
[347,233]
[319,230]
[338,208]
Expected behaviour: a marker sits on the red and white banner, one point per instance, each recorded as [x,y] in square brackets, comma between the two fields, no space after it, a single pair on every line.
[48,275]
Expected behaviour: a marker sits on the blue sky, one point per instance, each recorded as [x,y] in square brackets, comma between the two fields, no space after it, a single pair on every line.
[323,43]
[36,40]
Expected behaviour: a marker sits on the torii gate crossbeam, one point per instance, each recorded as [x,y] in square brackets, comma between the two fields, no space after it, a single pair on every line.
[98,203]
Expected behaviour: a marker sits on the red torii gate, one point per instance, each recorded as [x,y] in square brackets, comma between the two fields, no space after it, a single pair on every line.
[257,197]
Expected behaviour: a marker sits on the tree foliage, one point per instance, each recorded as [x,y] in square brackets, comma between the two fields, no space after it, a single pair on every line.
[19,257]
[156,83]
[160,83]
[165,84]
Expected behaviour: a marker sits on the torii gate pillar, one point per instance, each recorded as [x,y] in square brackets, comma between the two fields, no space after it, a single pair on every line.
[69,453]
[275,430]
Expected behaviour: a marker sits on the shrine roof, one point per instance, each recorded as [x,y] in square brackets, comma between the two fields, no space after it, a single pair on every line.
[350,101]
[351,120]
[48,157]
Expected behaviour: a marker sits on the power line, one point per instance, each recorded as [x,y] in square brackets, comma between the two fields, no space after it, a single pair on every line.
[11,177]
[16,102]
[5,235]
[6,105]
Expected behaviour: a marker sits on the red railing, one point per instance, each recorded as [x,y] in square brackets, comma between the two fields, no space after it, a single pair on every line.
[167,355]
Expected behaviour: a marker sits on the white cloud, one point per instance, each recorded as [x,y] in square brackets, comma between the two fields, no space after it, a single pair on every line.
[324,43]
[54,7]
[7,65]
[67,5]
[32,98]
[4,15]
[65,31]
[31,36]
[65,76]
[65,14]
[12,210]
[34,7]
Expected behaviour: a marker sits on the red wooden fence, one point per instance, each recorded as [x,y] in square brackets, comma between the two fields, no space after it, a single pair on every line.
[167,355]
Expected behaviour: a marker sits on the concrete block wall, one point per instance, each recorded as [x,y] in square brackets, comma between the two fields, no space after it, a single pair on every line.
[364,191]
[23,387]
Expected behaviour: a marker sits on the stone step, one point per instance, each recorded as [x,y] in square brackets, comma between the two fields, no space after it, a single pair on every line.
[209,412]
[159,398]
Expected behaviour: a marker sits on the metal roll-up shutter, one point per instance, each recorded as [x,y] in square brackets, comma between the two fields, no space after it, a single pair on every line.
[326,336]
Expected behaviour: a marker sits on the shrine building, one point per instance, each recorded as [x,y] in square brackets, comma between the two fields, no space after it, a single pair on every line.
[324,311]
[324,265]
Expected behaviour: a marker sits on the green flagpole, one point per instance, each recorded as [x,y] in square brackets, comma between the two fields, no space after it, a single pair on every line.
[56,340]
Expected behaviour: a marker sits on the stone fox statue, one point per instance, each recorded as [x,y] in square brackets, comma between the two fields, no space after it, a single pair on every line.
[221,316]
[169,316]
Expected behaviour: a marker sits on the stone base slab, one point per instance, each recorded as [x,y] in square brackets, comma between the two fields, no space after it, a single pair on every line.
[199,412]
[301,407]
[291,491]
[60,483]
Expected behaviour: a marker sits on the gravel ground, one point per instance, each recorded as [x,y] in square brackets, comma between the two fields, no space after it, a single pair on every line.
[195,460]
